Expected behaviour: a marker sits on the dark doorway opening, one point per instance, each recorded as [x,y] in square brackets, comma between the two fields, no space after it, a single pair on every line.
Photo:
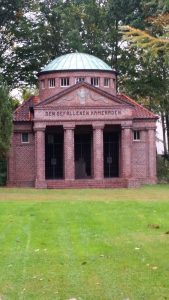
[83,152]
[111,152]
[54,152]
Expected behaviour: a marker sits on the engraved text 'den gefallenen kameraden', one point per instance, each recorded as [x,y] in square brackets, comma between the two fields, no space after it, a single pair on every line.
[83,112]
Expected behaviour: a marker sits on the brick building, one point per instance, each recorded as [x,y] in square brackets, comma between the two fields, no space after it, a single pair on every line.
[79,132]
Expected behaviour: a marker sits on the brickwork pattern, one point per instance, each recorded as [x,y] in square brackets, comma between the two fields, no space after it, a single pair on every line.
[152,154]
[98,151]
[48,92]
[69,164]
[23,170]
[40,158]
[126,152]
[21,167]
[140,156]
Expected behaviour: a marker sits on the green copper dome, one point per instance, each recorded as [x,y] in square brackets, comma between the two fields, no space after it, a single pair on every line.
[76,61]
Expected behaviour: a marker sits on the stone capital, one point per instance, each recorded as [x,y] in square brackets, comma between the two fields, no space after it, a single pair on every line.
[98,126]
[39,127]
[126,124]
[151,128]
[123,127]
[68,126]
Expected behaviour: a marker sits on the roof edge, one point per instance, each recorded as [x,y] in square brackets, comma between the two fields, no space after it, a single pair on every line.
[76,70]
[139,105]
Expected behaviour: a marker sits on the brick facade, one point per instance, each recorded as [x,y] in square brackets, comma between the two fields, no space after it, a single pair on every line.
[47,91]
[111,131]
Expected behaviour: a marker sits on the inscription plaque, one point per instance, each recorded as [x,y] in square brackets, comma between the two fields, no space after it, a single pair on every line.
[80,114]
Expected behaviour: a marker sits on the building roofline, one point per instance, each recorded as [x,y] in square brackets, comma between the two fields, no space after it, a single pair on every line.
[76,70]
[132,101]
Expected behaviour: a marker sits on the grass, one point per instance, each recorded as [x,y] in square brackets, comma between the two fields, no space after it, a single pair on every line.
[84,244]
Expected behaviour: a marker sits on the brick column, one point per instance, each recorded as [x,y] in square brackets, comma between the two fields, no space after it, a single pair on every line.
[40,158]
[98,151]
[69,160]
[152,154]
[11,173]
[126,151]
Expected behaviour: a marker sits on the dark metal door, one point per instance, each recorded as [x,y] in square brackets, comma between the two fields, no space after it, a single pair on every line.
[111,154]
[82,155]
[54,156]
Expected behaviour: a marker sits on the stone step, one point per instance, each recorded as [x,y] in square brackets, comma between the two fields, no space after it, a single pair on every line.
[86,183]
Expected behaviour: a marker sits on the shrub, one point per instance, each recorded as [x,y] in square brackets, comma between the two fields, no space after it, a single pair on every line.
[3,172]
[162,169]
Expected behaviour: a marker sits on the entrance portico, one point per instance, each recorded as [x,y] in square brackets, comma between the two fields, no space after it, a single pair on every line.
[70,153]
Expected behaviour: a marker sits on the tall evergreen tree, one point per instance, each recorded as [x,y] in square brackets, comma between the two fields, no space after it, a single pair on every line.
[5,119]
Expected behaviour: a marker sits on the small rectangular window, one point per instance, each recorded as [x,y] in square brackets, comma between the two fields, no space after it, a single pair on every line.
[64,81]
[95,81]
[80,79]
[25,137]
[42,83]
[136,135]
[51,82]
[106,82]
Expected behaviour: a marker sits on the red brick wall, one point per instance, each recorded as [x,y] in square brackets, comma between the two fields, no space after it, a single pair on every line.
[140,157]
[48,92]
[22,163]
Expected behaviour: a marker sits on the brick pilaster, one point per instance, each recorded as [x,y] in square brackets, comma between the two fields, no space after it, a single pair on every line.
[126,151]
[69,160]
[11,172]
[152,154]
[98,151]
[40,158]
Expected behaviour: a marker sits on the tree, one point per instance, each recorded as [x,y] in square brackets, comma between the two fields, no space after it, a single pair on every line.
[5,119]
[10,14]
[151,70]
[43,30]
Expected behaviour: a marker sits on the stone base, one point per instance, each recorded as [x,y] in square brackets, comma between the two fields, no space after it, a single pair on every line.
[20,184]
[11,184]
[40,184]
[104,183]
[134,183]
[152,180]
[87,183]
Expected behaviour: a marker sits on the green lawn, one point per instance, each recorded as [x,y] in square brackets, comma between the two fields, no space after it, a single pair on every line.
[84,244]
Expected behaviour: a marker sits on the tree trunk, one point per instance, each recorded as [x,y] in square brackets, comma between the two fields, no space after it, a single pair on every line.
[116,51]
[164,134]
[167,131]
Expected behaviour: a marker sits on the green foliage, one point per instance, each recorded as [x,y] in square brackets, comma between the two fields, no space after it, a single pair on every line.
[149,79]
[14,103]
[54,27]
[3,171]
[11,13]
[163,169]
[34,32]
[26,93]
[5,119]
